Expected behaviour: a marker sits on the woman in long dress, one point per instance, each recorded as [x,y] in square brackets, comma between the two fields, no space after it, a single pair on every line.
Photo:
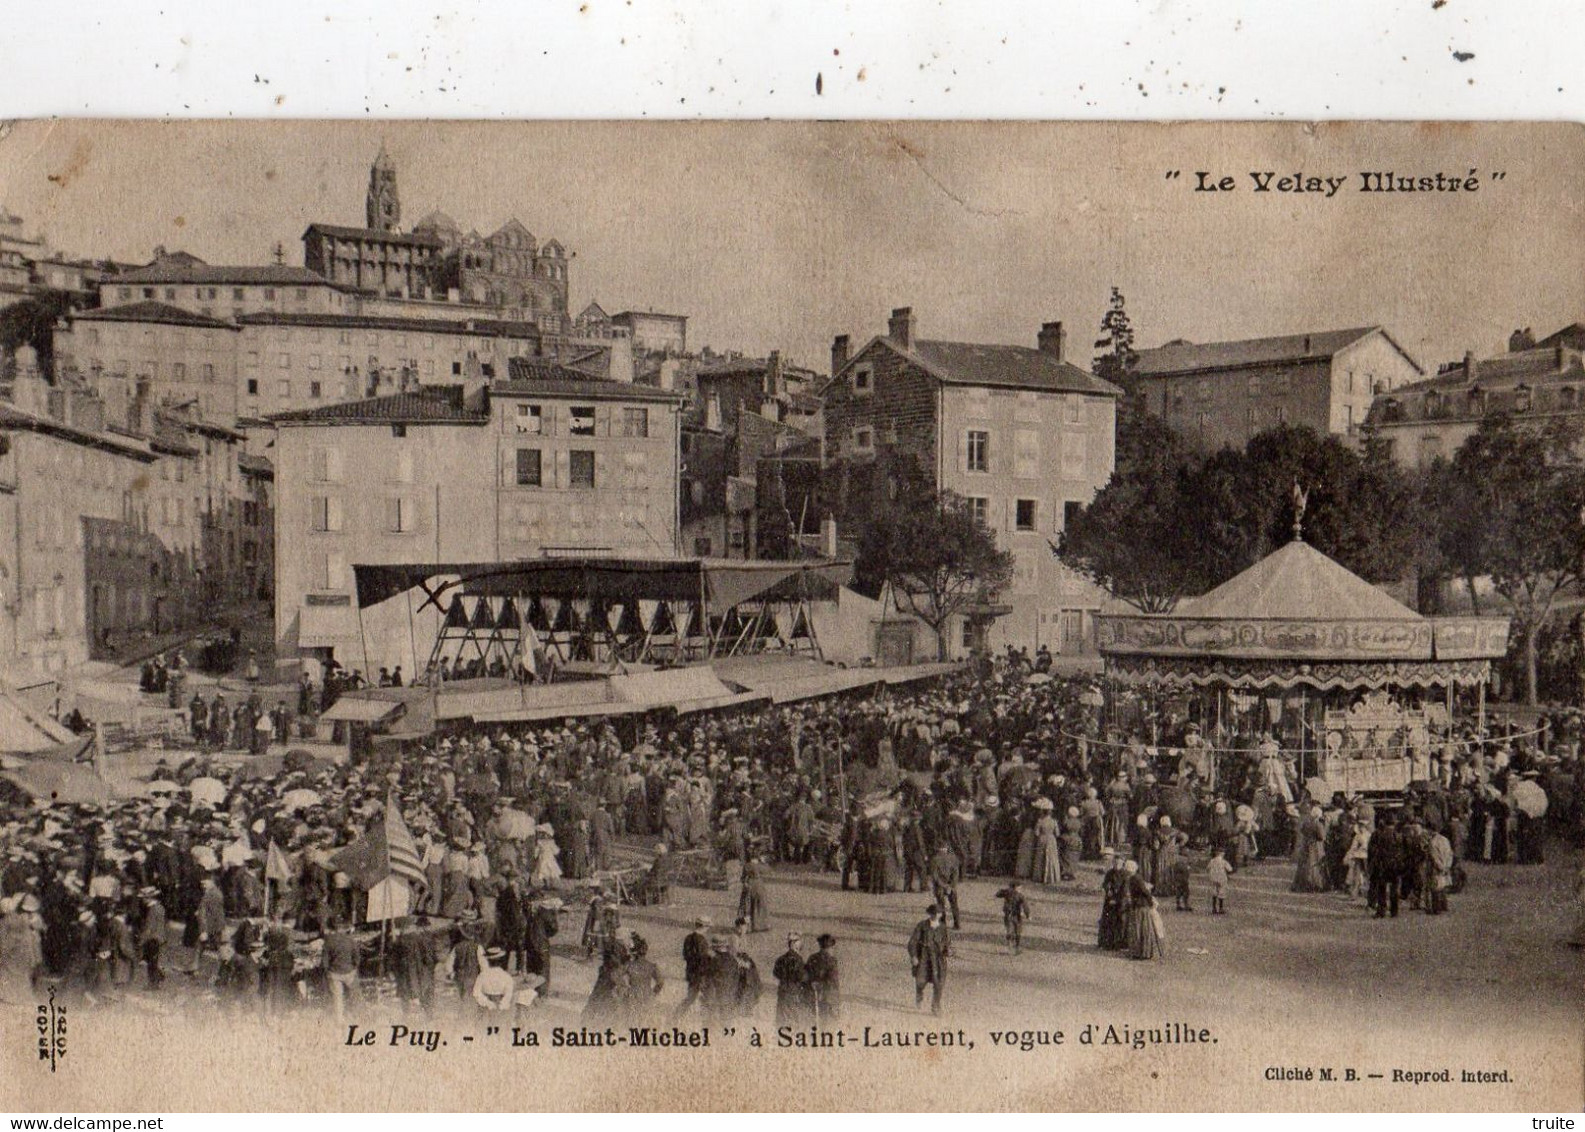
[547,870]
[1068,845]
[1144,931]
[1307,875]
[1048,866]
[1024,862]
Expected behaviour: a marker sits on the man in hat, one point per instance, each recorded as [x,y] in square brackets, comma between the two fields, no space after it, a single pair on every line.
[929,947]
[1384,862]
[945,872]
[792,985]
[695,962]
[151,934]
[541,923]
[339,958]
[1015,910]
[824,981]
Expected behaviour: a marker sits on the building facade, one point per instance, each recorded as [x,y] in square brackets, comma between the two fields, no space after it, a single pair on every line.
[548,461]
[1223,393]
[1020,433]
[654,333]
[1429,420]
[118,525]
[224,292]
[175,353]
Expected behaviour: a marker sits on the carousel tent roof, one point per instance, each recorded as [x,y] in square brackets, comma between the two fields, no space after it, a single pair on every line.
[1297,583]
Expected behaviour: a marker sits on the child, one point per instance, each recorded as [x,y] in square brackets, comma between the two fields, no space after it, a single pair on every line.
[1015,910]
[1355,857]
[1218,872]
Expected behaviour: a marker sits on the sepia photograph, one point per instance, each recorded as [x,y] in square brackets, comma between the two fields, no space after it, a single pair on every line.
[792,616]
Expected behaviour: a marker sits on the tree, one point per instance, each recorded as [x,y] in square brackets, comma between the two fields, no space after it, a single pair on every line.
[1132,539]
[939,559]
[1117,357]
[1516,514]
[32,323]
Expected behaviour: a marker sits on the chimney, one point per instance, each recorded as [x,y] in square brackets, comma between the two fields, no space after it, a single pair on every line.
[474,383]
[1469,365]
[839,352]
[900,329]
[828,537]
[773,371]
[666,377]
[1053,340]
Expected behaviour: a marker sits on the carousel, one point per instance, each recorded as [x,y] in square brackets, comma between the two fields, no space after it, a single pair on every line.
[1303,669]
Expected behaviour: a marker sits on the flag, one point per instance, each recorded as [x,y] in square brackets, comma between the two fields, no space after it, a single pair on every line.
[405,859]
[387,849]
[276,866]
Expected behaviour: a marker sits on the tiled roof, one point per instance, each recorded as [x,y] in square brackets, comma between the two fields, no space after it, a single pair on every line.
[375,235]
[497,328]
[12,417]
[1536,363]
[648,314]
[538,377]
[1011,367]
[1189,357]
[434,404]
[150,311]
[183,271]
[255,465]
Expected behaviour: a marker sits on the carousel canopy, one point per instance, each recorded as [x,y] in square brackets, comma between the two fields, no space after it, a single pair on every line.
[1298,617]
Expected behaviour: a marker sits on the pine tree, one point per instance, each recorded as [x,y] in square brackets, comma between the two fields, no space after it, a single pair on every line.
[1116,357]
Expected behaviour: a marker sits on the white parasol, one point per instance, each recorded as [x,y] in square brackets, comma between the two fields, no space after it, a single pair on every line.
[1043,804]
[301,798]
[210,790]
[514,825]
[1530,799]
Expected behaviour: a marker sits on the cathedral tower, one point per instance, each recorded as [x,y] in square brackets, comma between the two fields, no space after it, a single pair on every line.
[384,209]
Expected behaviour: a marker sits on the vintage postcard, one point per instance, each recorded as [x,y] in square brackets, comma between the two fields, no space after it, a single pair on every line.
[791,616]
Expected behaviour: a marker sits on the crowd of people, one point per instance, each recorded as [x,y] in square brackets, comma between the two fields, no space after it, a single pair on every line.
[242,875]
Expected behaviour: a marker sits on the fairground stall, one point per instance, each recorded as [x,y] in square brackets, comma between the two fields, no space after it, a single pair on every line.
[1299,666]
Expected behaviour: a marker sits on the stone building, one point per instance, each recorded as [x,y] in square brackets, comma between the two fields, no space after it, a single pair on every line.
[1223,393]
[510,270]
[548,461]
[1428,420]
[1019,432]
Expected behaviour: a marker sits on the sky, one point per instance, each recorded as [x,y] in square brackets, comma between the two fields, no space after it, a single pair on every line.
[781,235]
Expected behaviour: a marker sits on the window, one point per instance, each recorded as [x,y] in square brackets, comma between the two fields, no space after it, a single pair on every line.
[170,294]
[283,388]
[734,539]
[398,515]
[701,548]
[978,456]
[269,294]
[1251,418]
[399,431]
[313,361]
[980,508]
[1026,454]
[1024,512]
[456,368]
[284,361]
[253,387]
[1076,452]
[1070,512]
[580,420]
[864,439]
[209,371]
[302,292]
[178,371]
[315,390]
[1203,390]
[1254,386]
[325,513]
[1073,410]
[333,571]
[530,420]
[635,422]
[124,292]
[580,467]
[327,465]
[863,379]
[1350,381]
[148,292]
[528,467]
[1282,414]
[1202,421]
[238,294]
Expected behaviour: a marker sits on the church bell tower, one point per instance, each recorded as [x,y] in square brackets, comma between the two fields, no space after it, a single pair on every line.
[384,208]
